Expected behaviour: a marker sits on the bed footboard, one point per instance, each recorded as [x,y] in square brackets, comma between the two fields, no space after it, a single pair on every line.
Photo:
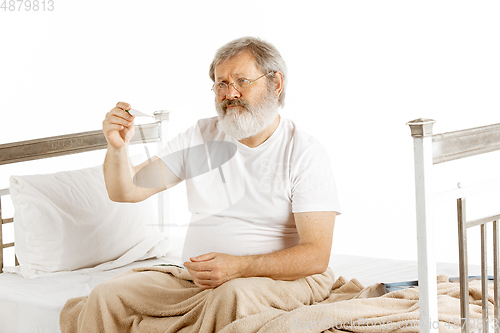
[432,149]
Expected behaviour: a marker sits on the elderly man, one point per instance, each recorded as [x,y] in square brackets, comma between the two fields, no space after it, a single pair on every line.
[265,209]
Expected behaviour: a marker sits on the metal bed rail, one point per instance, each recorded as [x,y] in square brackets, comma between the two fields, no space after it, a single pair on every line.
[69,144]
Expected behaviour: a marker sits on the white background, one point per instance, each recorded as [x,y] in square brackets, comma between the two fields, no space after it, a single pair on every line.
[358,71]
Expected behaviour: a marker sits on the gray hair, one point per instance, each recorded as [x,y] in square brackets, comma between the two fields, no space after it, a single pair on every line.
[267,58]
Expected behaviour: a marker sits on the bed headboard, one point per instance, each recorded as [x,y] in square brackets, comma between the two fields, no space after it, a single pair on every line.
[79,143]
[430,149]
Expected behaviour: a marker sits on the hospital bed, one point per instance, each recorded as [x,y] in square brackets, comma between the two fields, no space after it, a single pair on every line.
[31,300]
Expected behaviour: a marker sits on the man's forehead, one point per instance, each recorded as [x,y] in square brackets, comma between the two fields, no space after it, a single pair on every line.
[240,65]
[235,74]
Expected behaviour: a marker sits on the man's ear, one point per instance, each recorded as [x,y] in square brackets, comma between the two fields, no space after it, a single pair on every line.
[278,79]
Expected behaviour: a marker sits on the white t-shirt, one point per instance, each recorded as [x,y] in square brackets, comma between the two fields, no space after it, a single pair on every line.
[242,199]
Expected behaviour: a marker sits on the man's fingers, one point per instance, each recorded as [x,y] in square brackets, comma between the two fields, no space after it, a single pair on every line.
[203,282]
[206,284]
[120,111]
[120,121]
[121,114]
[115,124]
[203,276]
[118,117]
[112,127]
[204,257]
[206,279]
[118,125]
[198,266]
[123,106]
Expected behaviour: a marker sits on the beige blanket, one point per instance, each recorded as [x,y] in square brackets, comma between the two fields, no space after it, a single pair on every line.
[313,304]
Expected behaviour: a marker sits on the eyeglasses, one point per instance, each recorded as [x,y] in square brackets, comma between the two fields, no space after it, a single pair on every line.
[240,84]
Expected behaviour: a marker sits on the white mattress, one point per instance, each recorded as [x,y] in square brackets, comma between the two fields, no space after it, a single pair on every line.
[33,305]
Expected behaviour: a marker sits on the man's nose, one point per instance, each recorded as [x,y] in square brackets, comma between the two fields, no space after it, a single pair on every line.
[232,93]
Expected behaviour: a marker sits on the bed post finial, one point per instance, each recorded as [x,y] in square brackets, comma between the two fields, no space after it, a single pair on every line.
[421,127]
[161,115]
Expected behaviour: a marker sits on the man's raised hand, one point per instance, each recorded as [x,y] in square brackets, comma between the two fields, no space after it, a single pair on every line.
[118,125]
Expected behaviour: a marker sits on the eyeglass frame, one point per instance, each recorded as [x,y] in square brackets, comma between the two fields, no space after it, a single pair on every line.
[232,83]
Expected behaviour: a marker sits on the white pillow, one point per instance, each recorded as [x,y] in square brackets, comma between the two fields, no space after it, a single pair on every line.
[65,221]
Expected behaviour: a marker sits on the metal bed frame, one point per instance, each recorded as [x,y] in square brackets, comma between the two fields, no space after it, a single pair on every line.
[79,143]
[430,149]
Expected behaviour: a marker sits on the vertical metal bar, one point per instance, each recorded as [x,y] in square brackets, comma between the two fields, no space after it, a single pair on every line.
[421,130]
[163,203]
[464,274]
[496,281]
[484,278]
[1,237]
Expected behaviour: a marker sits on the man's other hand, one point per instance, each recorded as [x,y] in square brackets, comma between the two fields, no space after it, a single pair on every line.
[213,269]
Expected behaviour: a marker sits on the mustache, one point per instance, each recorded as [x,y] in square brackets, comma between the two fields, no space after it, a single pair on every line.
[233,102]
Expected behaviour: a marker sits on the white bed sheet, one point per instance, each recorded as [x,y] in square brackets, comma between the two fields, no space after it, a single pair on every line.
[33,305]
[369,270]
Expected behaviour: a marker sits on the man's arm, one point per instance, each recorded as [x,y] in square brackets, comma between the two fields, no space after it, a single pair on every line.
[310,256]
[125,183]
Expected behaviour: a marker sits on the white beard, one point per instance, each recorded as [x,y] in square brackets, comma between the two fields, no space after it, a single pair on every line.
[252,120]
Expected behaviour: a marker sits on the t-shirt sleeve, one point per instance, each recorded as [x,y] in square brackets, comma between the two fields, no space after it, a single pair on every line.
[312,180]
[173,153]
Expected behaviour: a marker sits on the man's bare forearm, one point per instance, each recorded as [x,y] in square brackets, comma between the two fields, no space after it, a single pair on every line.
[290,264]
[311,256]
[118,174]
